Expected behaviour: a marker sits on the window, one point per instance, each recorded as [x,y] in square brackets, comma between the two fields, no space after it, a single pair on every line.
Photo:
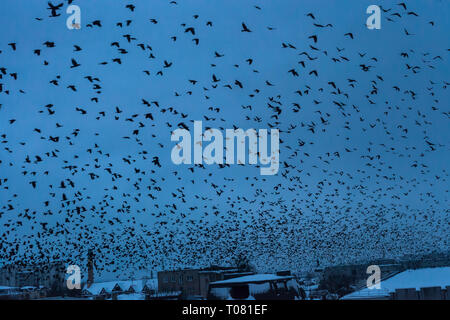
[189,278]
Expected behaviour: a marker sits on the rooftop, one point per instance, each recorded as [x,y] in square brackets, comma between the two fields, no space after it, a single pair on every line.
[418,278]
[137,285]
[255,278]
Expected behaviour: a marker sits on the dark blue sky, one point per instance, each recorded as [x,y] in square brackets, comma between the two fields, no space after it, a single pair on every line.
[364,184]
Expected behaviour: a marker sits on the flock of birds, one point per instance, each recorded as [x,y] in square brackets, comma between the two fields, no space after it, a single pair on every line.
[361,149]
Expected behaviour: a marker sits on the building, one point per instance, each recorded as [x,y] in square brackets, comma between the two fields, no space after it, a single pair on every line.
[359,271]
[418,284]
[343,279]
[46,276]
[195,282]
[120,290]
[257,287]
[431,260]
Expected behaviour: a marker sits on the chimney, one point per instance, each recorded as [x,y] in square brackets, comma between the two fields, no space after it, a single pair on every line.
[90,267]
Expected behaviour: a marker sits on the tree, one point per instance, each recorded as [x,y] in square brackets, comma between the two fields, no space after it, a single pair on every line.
[242,262]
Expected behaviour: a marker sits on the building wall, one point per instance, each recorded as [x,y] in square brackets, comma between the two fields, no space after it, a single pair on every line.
[431,293]
[50,275]
[359,271]
[192,282]
[186,281]
[206,278]
[428,293]
[7,276]
[406,294]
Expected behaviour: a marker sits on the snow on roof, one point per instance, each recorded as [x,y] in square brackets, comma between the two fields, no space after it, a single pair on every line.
[223,270]
[252,279]
[96,288]
[418,278]
[6,288]
[137,285]
[238,273]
